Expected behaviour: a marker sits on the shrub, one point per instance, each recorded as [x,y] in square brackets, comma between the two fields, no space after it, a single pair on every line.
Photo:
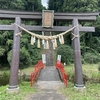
[72,78]
[91,58]
[99,66]
[27,57]
[4,78]
[66,53]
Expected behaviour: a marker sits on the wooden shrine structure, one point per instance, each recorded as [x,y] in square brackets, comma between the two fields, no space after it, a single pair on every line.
[75,18]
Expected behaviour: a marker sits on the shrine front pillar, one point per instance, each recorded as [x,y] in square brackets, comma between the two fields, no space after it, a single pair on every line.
[13,81]
[77,57]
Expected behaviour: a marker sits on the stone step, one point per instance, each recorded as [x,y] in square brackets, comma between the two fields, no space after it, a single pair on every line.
[49,85]
[49,74]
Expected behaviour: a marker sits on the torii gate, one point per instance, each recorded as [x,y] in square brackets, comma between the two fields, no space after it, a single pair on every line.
[72,17]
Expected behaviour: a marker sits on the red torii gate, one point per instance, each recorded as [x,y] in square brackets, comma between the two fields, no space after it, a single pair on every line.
[72,17]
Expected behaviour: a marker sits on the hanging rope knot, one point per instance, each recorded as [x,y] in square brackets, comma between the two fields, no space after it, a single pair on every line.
[19,34]
[75,36]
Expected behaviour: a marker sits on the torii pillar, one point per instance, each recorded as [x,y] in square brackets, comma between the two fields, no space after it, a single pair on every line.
[77,57]
[13,82]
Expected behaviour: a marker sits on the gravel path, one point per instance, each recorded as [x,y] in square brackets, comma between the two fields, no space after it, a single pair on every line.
[46,95]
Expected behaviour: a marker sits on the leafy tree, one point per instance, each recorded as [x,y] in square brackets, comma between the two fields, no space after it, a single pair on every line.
[73,5]
[28,54]
[89,41]
[5,42]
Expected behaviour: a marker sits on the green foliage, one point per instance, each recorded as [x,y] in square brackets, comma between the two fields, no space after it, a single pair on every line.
[24,58]
[90,42]
[73,6]
[91,58]
[4,79]
[66,53]
[27,57]
[29,5]
[28,54]
[99,66]
[2,50]
[9,56]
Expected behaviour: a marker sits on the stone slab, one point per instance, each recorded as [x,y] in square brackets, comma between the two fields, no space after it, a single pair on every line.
[47,95]
[49,74]
[49,85]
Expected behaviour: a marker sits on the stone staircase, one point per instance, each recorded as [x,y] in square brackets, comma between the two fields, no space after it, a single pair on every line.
[49,78]
[49,74]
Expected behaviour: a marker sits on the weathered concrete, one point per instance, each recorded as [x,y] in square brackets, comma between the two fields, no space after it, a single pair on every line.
[47,95]
[50,85]
[49,74]
[14,90]
[49,78]
[79,88]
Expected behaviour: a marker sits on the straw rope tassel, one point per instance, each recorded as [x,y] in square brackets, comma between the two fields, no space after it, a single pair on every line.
[38,43]
[55,43]
[47,44]
[62,39]
[32,40]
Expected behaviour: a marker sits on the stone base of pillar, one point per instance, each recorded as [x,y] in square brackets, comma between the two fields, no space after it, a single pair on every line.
[13,90]
[82,88]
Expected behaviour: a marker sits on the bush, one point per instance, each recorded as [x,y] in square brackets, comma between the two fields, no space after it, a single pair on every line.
[4,79]
[99,66]
[91,58]
[66,53]
[27,57]
[23,77]
[24,58]
[71,77]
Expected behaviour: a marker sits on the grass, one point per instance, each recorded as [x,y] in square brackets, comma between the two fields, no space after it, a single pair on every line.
[28,70]
[92,91]
[25,90]
[25,70]
[89,70]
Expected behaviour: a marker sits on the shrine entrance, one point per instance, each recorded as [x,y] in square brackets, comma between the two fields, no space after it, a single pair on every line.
[75,18]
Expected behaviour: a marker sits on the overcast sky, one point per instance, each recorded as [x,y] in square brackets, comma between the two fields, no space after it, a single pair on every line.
[44,3]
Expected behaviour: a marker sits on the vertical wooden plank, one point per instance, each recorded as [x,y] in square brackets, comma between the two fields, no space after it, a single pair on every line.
[77,56]
[13,82]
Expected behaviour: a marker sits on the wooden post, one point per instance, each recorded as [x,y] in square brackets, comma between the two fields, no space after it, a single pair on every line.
[77,57]
[13,82]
